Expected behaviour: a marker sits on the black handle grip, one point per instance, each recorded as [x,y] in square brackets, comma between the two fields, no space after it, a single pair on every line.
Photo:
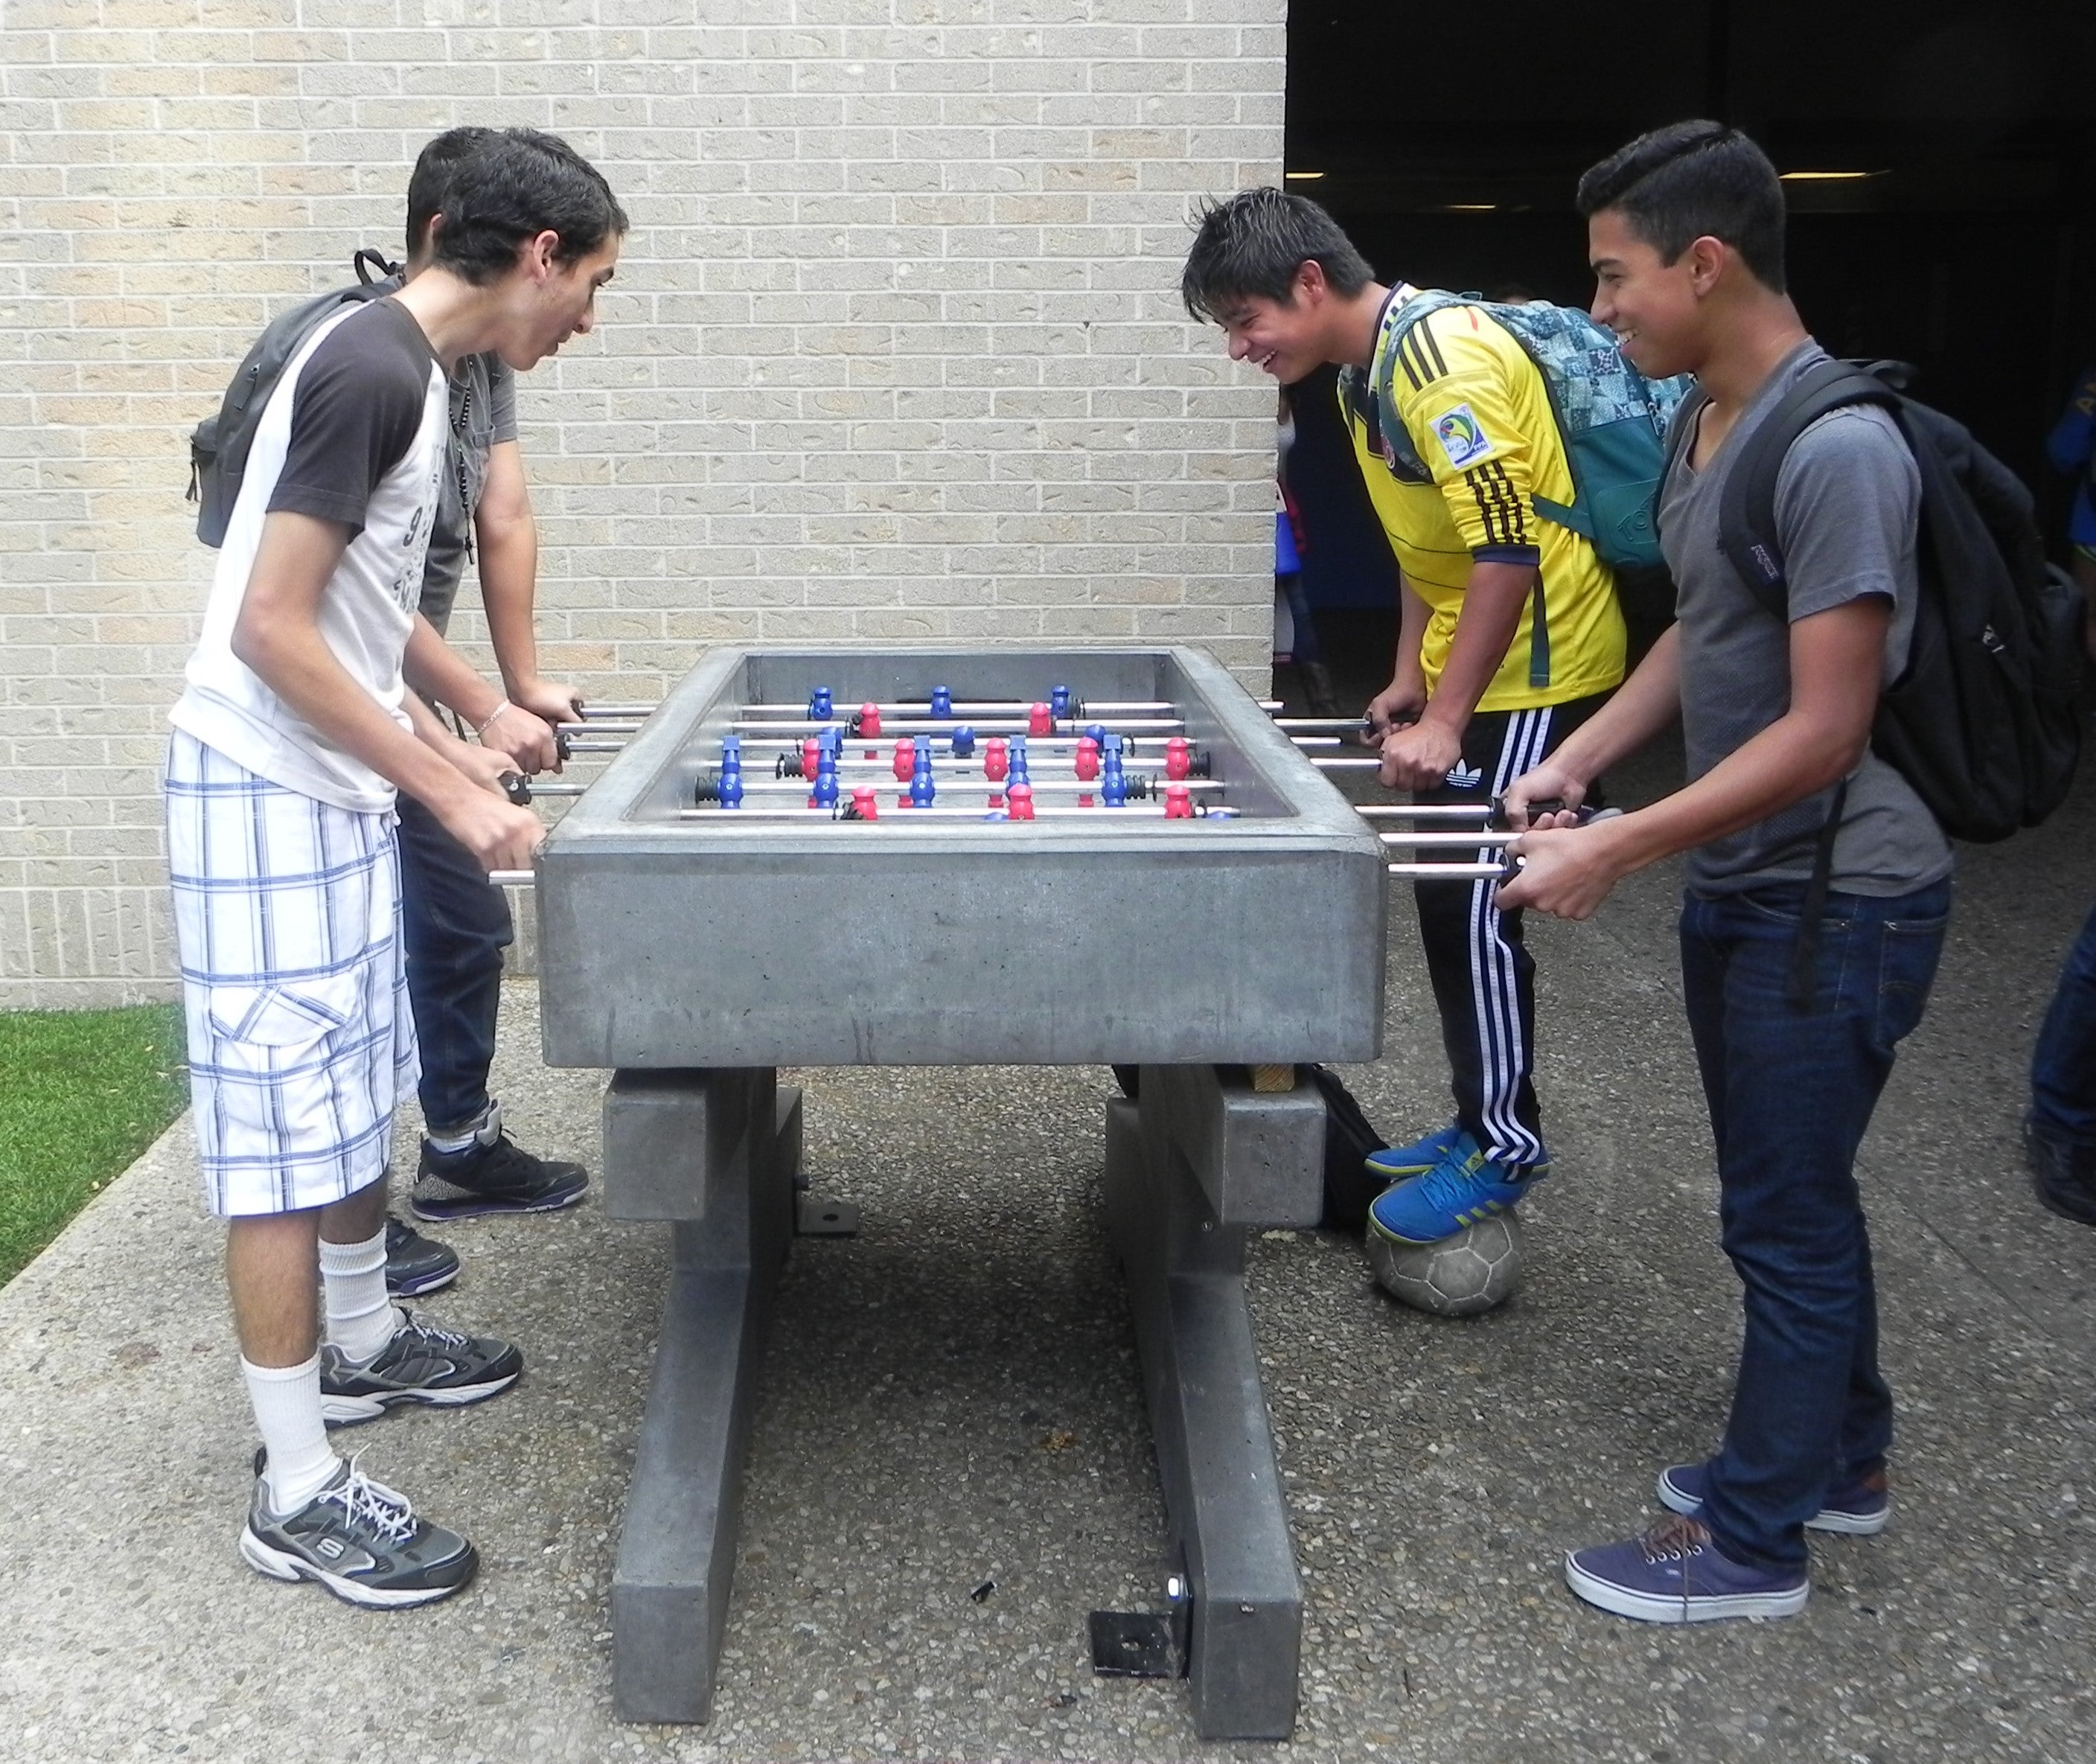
[517,787]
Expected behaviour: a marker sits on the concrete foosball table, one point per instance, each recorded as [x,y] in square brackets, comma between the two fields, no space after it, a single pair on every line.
[692,952]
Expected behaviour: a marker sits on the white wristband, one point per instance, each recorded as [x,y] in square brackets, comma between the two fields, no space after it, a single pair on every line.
[481,733]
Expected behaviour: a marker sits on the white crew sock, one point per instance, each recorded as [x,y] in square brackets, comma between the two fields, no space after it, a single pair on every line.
[287,1409]
[360,1318]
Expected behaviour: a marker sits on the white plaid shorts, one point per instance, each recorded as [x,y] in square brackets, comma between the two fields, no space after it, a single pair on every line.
[287,917]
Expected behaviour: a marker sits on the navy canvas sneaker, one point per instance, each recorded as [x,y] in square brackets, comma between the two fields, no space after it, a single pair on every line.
[1857,1509]
[1676,1574]
[1463,1188]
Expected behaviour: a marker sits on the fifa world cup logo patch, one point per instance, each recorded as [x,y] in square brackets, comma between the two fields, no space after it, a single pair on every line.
[1461,436]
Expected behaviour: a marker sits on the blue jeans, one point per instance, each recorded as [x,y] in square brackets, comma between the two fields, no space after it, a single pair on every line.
[1790,1094]
[456,927]
[2063,1064]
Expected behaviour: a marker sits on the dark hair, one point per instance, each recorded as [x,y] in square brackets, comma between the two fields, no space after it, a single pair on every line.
[431,181]
[1251,244]
[1680,183]
[513,186]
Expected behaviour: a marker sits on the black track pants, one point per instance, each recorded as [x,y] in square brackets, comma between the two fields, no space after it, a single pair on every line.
[1483,977]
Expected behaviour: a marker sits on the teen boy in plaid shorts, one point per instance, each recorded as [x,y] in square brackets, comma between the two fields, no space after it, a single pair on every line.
[297,727]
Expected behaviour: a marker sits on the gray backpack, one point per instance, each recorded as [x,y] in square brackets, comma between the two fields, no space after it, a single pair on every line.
[219,445]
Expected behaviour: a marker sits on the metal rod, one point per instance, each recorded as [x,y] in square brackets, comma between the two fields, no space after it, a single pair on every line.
[1450,873]
[594,711]
[596,746]
[1350,725]
[513,878]
[1464,841]
[535,788]
[946,766]
[1337,763]
[1422,811]
[598,725]
[964,707]
[948,780]
[1068,728]
[941,811]
[1035,743]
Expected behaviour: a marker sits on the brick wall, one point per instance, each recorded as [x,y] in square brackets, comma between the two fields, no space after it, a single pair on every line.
[894,351]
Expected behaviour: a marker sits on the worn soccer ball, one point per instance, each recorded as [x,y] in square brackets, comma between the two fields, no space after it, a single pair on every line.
[1474,1270]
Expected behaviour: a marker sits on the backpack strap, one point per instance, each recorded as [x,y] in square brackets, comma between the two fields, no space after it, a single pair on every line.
[1394,324]
[1746,537]
[1746,517]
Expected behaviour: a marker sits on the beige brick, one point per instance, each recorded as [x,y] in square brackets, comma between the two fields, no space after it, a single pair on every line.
[894,353]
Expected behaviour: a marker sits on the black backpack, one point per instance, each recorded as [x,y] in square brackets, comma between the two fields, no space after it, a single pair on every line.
[219,445]
[1983,722]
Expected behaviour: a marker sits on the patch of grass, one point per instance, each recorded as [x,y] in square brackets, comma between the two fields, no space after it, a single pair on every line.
[82,1093]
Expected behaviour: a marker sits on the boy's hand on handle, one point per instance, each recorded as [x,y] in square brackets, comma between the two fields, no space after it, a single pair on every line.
[1420,756]
[499,836]
[486,766]
[548,701]
[1547,797]
[525,740]
[1397,704]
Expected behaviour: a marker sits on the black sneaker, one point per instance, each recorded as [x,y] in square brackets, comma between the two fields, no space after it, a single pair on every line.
[416,1264]
[360,1540]
[421,1364]
[2064,1175]
[492,1175]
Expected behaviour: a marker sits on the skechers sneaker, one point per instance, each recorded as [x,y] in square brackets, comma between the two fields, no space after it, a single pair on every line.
[360,1539]
[416,1264]
[1857,1509]
[1463,1188]
[1401,1164]
[492,1175]
[421,1364]
[1676,1574]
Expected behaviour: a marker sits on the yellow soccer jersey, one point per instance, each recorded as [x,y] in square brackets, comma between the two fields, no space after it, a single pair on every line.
[1478,415]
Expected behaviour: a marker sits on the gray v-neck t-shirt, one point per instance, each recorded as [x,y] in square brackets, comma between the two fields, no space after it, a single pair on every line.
[1848,501]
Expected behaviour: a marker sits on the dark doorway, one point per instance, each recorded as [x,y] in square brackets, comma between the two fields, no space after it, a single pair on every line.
[1449,141]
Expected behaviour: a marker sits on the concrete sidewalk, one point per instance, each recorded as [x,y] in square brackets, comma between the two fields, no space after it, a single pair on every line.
[951,1397]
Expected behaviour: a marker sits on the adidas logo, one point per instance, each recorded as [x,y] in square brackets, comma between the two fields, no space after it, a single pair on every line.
[1462,777]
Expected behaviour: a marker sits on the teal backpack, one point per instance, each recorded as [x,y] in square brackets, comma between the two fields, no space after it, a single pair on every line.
[1612,419]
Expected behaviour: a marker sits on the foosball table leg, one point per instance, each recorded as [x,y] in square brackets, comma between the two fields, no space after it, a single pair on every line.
[1194,1151]
[714,1150]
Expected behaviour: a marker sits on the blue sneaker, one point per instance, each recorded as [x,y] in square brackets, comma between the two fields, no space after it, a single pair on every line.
[1857,1509]
[1676,1574]
[1401,1164]
[1463,1188]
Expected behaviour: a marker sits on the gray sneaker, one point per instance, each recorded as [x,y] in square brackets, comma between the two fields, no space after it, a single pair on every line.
[360,1540]
[421,1364]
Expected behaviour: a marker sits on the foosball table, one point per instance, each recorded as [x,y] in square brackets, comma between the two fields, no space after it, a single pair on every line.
[905,856]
